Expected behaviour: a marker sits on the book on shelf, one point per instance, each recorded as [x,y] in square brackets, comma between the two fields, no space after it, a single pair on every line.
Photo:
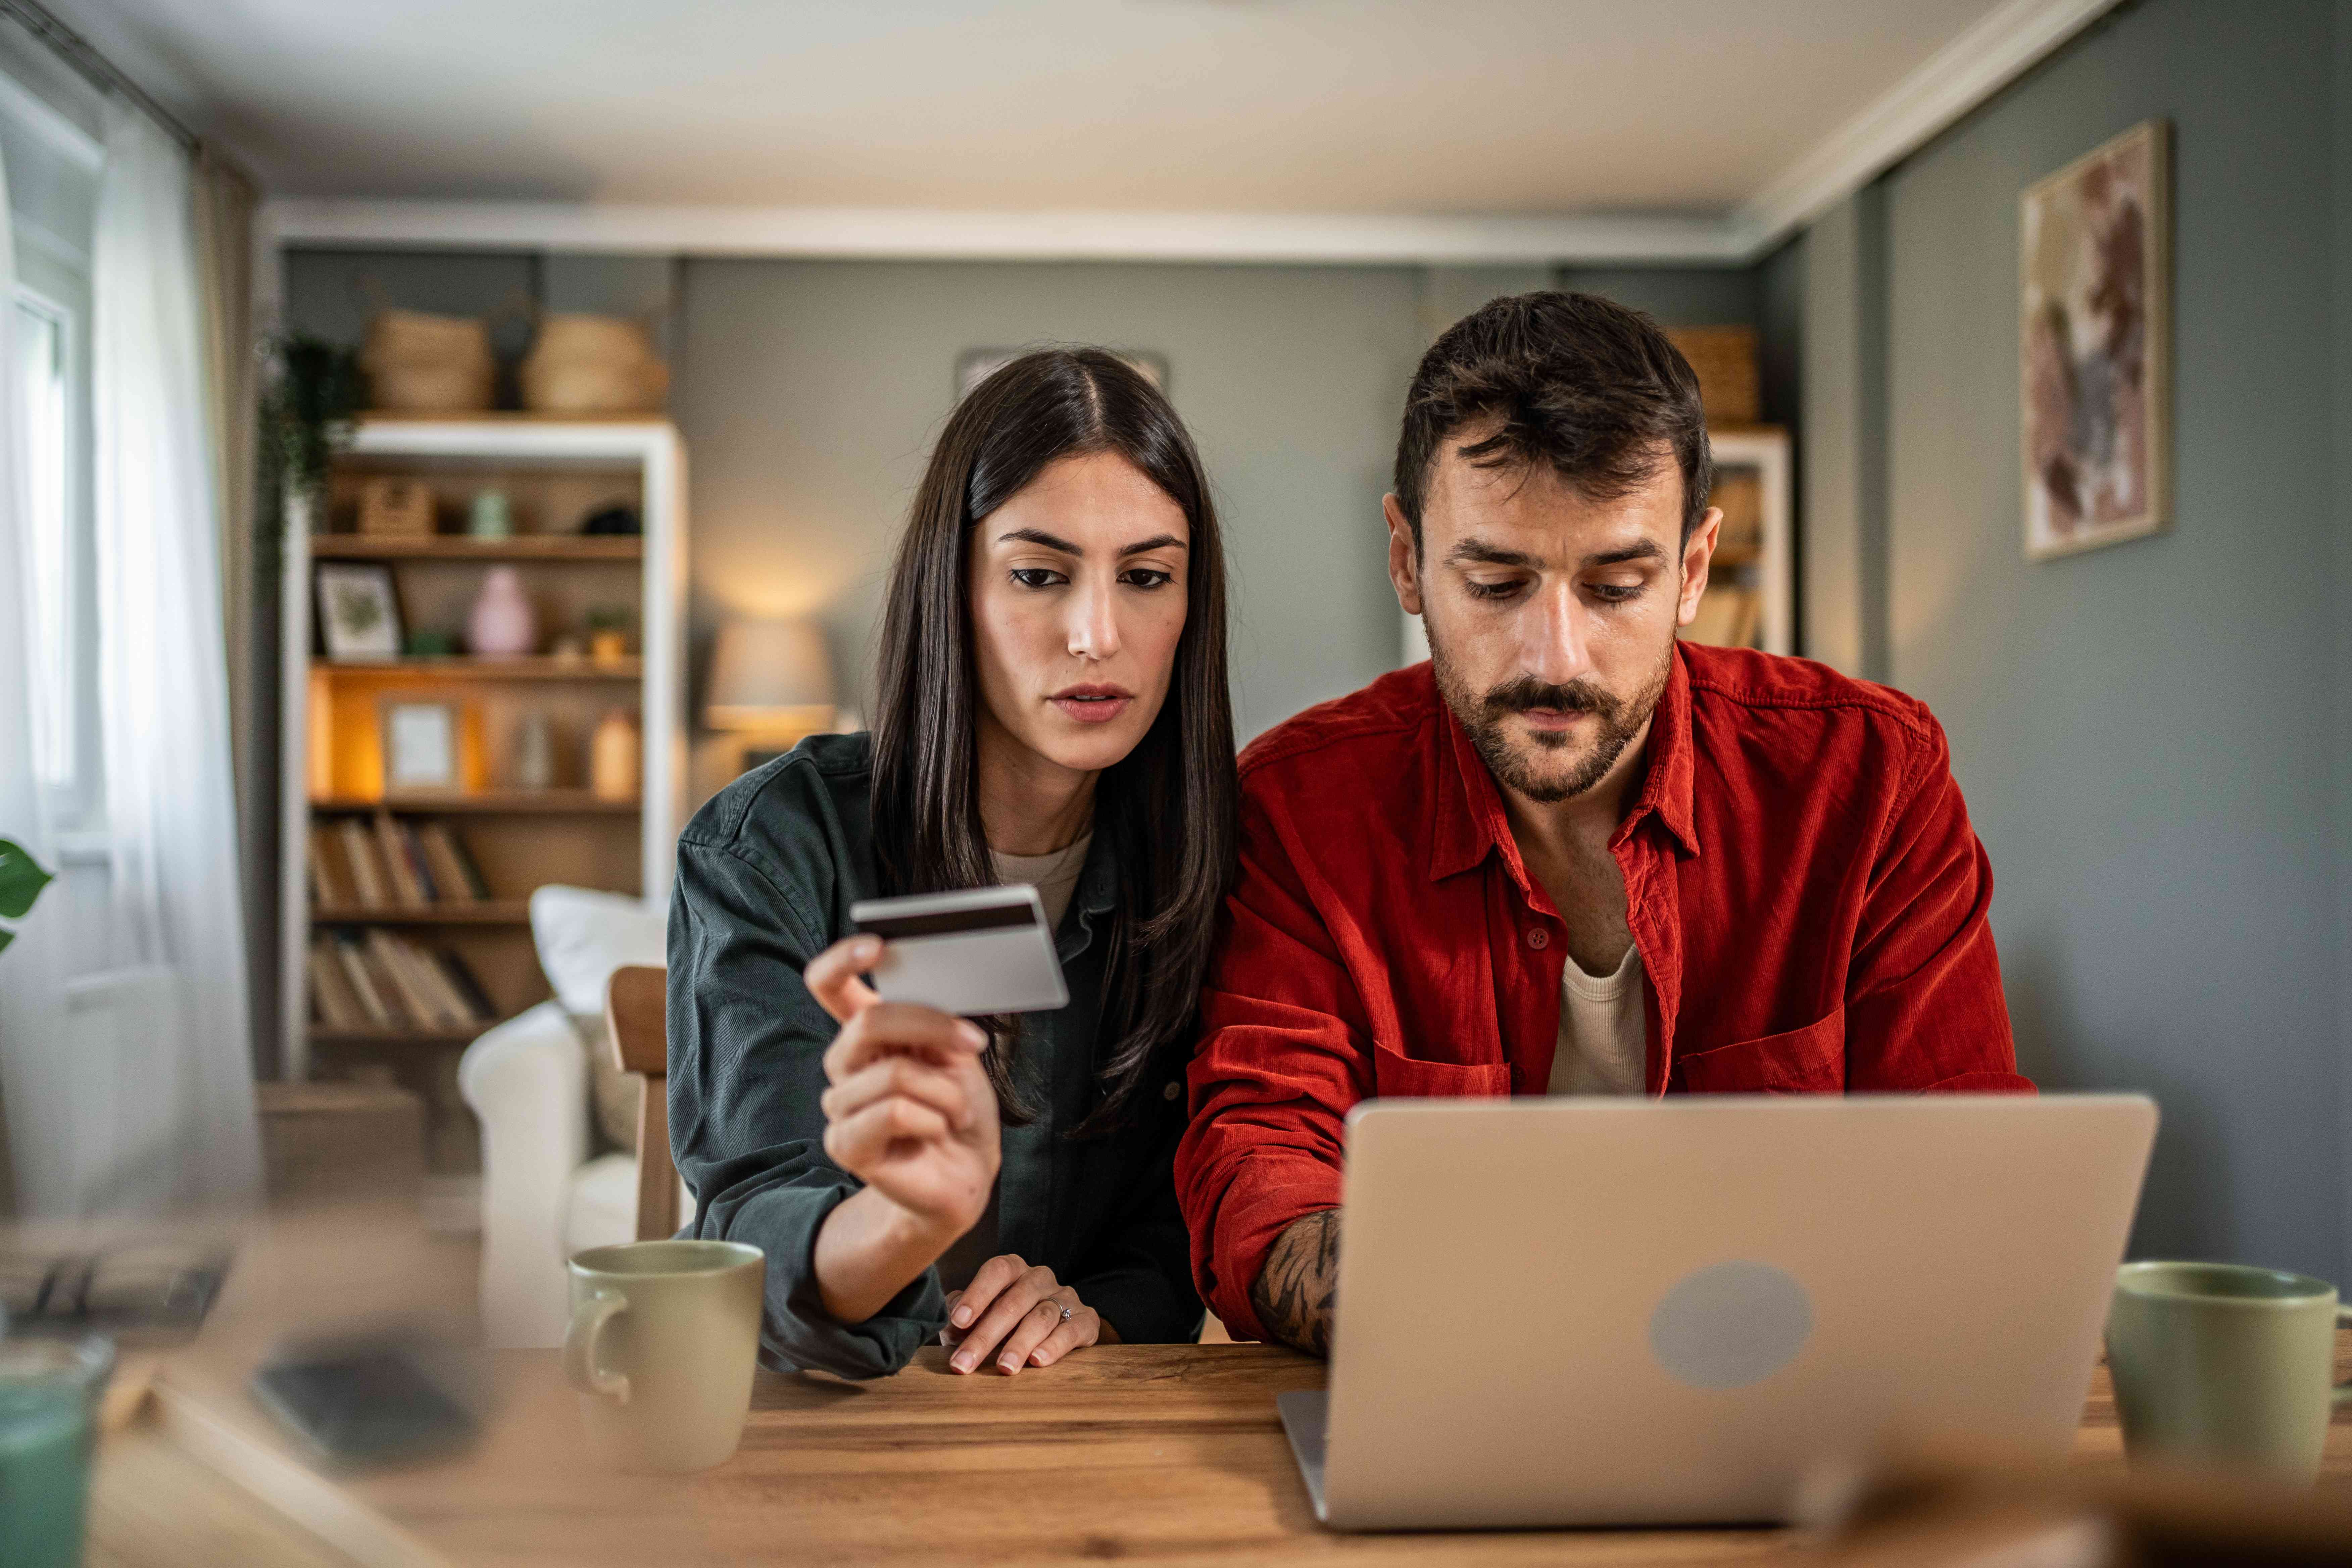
[407,887]
[1728,618]
[331,876]
[368,879]
[372,1002]
[336,1004]
[468,986]
[419,997]
[456,877]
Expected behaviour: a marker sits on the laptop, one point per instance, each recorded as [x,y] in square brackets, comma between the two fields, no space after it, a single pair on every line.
[1619,1311]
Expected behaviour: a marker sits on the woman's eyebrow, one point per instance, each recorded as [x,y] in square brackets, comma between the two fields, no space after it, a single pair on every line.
[1039,536]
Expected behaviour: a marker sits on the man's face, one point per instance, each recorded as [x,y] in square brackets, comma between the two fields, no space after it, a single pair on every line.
[1551,615]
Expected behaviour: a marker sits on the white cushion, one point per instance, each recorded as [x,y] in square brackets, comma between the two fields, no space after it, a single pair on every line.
[583,936]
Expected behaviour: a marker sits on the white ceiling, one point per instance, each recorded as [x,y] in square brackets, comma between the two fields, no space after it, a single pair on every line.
[1424,107]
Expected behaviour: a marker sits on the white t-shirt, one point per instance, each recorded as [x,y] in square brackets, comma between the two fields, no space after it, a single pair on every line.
[1603,1045]
[1054,875]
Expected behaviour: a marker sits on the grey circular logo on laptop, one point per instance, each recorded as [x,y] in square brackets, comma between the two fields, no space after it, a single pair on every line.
[1730,1324]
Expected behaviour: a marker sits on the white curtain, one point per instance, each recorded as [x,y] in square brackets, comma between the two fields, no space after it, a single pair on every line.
[183,1129]
[32,1049]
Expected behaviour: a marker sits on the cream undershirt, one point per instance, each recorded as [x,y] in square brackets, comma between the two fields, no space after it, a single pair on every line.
[1054,875]
[1603,1045]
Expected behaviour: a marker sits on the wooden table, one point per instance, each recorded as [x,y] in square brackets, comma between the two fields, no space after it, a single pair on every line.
[1170,1453]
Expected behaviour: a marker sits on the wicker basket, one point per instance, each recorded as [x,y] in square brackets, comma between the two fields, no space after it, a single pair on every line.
[420,363]
[593,364]
[395,508]
[1724,359]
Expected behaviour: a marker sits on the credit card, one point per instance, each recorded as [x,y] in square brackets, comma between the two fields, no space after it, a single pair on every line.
[983,951]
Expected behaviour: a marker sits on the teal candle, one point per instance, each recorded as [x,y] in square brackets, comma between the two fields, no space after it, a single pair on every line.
[48,1394]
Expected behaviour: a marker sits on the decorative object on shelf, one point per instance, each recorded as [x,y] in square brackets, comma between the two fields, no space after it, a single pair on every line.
[593,364]
[395,508]
[534,750]
[491,517]
[608,633]
[429,644]
[420,363]
[2095,316]
[770,676]
[975,365]
[569,648]
[502,625]
[306,408]
[359,611]
[618,520]
[420,745]
[1729,385]
[615,754]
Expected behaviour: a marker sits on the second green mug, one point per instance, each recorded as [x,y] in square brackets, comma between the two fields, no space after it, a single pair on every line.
[2217,1364]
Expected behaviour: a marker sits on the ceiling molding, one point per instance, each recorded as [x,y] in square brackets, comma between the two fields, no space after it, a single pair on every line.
[918,233]
[1952,81]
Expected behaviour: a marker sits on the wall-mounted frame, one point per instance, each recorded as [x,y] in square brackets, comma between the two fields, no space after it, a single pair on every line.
[421,740]
[2095,319]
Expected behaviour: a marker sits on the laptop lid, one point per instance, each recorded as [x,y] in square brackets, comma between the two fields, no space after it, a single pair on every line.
[1621,1312]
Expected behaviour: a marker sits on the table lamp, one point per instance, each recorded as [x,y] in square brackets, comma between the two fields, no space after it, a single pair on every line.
[771,676]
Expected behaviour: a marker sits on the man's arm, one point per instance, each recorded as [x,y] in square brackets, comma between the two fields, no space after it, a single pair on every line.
[1284,1051]
[1923,1004]
[1293,1292]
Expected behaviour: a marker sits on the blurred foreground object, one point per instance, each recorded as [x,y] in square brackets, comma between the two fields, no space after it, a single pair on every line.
[148,1292]
[373,1399]
[1930,1515]
[593,364]
[50,1390]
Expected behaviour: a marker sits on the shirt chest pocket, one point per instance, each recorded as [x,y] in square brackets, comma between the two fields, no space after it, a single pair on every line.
[1810,1060]
[1398,1076]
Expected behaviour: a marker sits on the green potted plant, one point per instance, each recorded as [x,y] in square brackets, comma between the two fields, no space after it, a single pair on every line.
[21,882]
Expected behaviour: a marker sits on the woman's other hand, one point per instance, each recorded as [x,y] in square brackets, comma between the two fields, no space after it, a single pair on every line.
[909,1110]
[1016,1313]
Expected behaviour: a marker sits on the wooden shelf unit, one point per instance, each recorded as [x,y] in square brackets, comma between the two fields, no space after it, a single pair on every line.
[554,472]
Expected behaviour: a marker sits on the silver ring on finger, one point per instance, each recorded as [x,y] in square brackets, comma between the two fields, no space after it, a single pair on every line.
[1057,1307]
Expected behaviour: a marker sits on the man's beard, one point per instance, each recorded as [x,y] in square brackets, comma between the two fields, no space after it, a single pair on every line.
[1483,716]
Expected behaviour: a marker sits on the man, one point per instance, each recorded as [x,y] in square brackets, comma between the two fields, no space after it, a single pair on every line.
[1570,854]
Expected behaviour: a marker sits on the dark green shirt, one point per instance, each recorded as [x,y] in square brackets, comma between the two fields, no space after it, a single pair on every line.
[766,874]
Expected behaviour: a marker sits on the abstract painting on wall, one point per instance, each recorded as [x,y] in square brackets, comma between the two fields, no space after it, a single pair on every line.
[2095,312]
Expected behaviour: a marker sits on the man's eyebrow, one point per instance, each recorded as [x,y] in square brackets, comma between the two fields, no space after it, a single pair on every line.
[1647,550]
[1051,542]
[1486,554]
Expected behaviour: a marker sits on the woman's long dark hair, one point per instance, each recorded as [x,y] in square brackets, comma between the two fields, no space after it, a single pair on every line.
[1167,808]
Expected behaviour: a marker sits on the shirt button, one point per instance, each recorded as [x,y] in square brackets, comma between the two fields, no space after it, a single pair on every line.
[1172,1091]
[1539,939]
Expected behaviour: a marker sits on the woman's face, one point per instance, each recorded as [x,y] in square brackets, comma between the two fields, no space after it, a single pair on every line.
[1077,601]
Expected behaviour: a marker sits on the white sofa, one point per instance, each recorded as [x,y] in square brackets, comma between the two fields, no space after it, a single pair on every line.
[529,1083]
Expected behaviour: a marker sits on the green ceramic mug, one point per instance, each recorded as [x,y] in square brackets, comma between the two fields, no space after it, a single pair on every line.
[2217,1364]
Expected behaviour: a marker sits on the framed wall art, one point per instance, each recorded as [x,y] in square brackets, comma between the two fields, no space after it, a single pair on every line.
[2095,287]
[359,612]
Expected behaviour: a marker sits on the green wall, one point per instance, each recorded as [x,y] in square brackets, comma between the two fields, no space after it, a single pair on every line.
[2152,737]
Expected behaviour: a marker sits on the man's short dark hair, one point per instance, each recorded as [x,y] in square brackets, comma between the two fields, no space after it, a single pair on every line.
[1581,382]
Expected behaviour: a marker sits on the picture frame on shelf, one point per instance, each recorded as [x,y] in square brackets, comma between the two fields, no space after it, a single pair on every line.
[421,739]
[359,611]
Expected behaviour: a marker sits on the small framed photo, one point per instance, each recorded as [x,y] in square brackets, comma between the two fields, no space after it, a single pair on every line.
[420,746]
[359,612]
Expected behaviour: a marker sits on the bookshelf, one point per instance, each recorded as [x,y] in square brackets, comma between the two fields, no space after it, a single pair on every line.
[438,923]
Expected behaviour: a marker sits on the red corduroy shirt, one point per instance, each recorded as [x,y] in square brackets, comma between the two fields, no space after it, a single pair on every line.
[1801,880]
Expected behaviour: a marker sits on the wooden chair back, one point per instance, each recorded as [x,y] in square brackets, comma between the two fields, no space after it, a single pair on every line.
[637,1011]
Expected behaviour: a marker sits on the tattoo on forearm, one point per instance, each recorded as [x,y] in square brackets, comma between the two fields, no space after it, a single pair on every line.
[1292,1296]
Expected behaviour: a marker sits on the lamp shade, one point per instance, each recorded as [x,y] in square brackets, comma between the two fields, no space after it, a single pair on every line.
[770,675]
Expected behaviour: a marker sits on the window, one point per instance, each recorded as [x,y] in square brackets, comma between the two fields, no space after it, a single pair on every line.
[44,338]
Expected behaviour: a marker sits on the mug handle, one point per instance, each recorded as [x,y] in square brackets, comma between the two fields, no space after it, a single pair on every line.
[583,1365]
[2343,1390]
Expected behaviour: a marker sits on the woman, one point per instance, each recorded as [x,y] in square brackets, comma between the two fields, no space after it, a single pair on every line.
[1052,709]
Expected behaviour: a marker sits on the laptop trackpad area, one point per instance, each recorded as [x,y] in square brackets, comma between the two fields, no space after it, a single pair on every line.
[1303,1416]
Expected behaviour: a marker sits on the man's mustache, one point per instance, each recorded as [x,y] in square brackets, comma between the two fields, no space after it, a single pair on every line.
[1526,693]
